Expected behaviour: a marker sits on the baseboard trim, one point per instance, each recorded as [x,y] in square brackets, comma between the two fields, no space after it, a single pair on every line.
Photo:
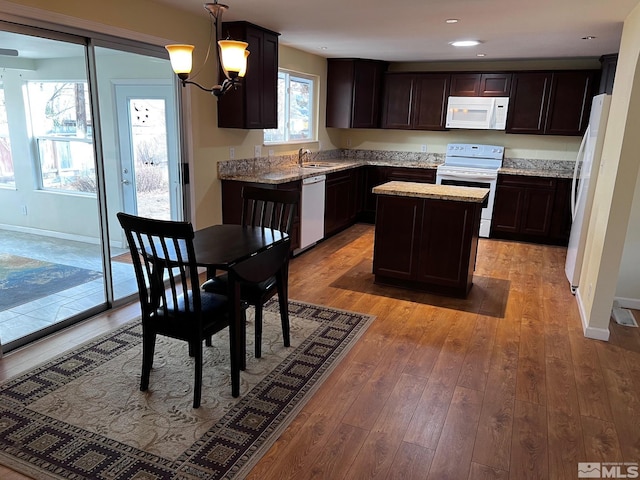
[590,332]
[633,303]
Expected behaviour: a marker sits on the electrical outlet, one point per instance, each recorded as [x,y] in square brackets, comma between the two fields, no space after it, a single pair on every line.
[232,153]
[271,152]
[257,151]
[24,209]
[423,148]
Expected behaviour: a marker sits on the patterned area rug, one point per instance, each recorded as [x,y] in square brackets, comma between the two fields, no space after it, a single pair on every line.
[23,280]
[82,416]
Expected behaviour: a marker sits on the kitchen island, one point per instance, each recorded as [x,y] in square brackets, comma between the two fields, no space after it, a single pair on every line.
[426,236]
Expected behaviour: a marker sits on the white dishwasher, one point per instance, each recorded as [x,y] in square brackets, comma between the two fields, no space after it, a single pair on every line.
[312,211]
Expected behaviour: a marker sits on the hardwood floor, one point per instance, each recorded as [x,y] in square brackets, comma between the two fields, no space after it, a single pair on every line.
[501,385]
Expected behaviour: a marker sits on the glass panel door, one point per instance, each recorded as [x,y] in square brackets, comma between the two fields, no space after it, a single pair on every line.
[65,143]
[139,125]
[51,268]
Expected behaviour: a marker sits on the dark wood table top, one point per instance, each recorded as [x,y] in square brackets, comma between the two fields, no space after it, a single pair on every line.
[222,246]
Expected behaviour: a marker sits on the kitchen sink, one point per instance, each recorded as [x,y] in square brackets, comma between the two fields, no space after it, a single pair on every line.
[317,165]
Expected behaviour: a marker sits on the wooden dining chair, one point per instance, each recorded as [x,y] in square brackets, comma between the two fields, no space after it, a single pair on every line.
[269,208]
[172,302]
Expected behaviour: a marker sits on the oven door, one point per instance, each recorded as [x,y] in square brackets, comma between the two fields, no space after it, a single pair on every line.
[461,179]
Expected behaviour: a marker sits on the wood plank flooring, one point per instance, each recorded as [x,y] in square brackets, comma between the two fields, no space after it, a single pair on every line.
[501,385]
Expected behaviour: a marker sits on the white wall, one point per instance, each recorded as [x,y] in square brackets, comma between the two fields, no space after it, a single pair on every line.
[628,287]
[615,189]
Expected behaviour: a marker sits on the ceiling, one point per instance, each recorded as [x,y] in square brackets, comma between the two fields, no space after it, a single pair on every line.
[415,30]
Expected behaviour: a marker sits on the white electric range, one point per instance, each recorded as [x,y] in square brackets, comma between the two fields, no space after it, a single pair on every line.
[472,165]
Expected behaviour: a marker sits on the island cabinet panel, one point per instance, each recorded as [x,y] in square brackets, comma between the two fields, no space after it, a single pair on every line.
[354,90]
[426,244]
[398,225]
[480,84]
[415,101]
[254,104]
[534,209]
[436,251]
[232,204]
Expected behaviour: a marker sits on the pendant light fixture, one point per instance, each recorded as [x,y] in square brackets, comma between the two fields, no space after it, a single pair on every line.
[232,54]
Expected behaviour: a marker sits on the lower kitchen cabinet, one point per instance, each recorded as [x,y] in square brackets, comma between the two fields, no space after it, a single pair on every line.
[232,204]
[343,200]
[534,209]
[426,244]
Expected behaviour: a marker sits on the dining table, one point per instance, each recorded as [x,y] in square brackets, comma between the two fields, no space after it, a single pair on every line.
[222,247]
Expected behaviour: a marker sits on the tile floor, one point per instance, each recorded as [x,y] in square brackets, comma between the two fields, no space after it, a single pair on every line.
[30,317]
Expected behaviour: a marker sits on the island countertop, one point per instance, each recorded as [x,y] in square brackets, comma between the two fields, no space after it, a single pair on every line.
[437,192]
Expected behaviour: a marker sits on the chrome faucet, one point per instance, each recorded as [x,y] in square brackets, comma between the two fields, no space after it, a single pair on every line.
[302,153]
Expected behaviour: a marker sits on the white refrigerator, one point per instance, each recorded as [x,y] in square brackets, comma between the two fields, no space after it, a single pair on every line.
[585,176]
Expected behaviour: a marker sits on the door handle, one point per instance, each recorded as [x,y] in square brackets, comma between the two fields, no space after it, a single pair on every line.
[126,182]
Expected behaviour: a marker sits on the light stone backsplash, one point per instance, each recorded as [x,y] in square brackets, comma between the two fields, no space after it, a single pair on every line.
[253,166]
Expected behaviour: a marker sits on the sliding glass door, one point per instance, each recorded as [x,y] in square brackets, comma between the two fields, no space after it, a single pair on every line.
[85,131]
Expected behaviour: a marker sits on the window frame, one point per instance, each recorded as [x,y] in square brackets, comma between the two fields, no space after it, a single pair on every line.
[313,114]
[11,185]
[38,137]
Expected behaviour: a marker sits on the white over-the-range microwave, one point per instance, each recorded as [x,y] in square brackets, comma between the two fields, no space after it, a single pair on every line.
[484,113]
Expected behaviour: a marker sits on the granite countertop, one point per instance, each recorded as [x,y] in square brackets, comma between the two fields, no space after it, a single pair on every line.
[436,192]
[291,173]
[286,169]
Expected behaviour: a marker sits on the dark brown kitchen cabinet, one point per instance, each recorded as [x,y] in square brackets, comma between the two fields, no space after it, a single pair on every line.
[609,63]
[534,209]
[415,101]
[480,84]
[374,176]
[232,204]
[426,244]
[254,104]
[552,103]
[343,200]
[354,90]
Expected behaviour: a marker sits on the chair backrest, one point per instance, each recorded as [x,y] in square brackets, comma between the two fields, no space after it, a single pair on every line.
[264,207]
[263,266]
[164,261]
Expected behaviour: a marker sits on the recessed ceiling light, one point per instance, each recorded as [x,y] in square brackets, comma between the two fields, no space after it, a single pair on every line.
[451,20]
[481,54]
[323,48]
[589,37]
[465,43]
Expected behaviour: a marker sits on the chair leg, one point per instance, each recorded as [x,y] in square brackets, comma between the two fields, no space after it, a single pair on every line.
[196,348]
[243,357]
[283,302]
[258,328]
[148,349]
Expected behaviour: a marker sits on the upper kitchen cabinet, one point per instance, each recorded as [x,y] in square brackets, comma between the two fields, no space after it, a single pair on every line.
[609,63]
[353,92]
[554,103]
[254,104]
[415,101]
[480,84]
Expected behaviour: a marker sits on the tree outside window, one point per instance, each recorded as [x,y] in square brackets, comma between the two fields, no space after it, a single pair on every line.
[61,123]
[296,110]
